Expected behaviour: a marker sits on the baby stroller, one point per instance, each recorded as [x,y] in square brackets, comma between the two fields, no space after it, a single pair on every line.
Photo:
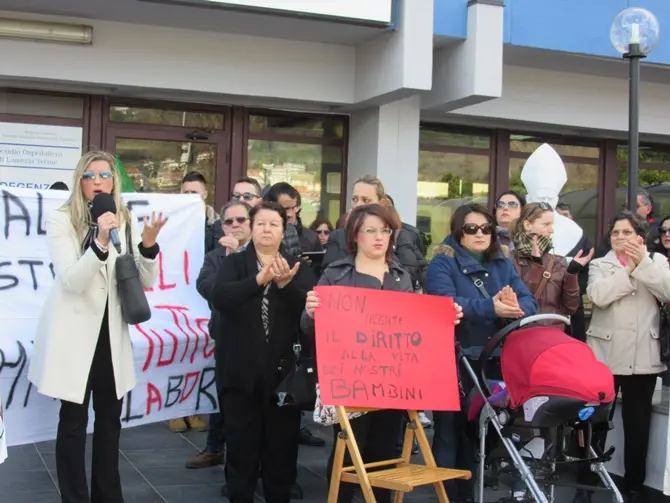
[554,394]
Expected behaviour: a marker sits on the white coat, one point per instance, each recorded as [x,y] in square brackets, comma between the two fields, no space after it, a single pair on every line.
[71,318]
[624,329]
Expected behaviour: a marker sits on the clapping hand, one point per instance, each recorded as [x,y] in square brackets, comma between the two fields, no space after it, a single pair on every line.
[506,304]
[281,272]
[535,251]
[582,259]
[151,229]
[230,243]
[635,251]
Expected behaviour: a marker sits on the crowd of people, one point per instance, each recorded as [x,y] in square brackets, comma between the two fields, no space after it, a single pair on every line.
[260,268]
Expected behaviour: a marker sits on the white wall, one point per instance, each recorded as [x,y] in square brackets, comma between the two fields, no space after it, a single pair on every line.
[164,58]
[575,100]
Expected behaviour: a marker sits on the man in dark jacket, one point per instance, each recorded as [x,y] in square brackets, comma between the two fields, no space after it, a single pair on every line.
[291,237]
[289,198]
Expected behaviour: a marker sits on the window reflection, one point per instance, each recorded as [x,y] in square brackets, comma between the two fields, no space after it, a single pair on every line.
[528,144]
[163,117]
[314,170]
[447,181]
[433,135]
[159,166]
[653,176]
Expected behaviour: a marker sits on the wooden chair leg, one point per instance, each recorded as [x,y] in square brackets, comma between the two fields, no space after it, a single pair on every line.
[427,453]
[356,458]
[399,497]
[336,475]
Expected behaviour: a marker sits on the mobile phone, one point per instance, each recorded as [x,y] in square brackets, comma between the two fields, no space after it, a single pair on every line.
[314,256]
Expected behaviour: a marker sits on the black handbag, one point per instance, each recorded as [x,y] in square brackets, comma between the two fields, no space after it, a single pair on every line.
[298,388]
[134,304]
[664,332]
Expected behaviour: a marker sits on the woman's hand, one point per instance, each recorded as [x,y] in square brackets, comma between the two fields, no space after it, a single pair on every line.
[106,222]
[281,272]
[313,302]
[508,296]
[457,308]
[152,228]
[535,251]
[583,259]
[635,251]
[265,275]
[503,310]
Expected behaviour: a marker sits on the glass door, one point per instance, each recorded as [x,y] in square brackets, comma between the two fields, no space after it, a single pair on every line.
[157,147]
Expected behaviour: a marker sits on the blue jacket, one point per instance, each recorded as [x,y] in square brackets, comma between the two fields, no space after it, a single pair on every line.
[452,273]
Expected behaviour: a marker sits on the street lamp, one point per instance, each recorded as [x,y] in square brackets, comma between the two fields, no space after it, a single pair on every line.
[634,33]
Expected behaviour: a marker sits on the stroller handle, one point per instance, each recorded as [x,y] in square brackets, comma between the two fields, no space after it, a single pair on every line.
[502,334]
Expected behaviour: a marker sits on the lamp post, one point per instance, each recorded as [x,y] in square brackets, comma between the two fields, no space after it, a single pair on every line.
[634,33]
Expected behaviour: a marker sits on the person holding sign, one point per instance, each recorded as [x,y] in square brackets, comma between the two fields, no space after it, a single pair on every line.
[260,294]
[82,344]
[473,269]
[370,263]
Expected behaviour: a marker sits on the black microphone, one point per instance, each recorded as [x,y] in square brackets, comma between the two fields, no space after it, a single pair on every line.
[101,204]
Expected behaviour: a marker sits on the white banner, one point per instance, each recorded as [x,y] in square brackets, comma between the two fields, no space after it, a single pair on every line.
[173,350]
[34,156]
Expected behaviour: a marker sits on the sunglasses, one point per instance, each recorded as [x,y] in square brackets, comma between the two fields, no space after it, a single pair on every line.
[471,229]
[501,205]
[325,232]
[539,206]
[239,220]
[102,175]
[664,231]
[246,196]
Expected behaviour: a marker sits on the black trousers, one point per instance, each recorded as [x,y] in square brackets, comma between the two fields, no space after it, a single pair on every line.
[375,433]
[258,433]
[71,436]
[637,392]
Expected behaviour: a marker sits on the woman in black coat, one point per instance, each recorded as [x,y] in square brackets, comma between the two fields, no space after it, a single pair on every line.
[260,295]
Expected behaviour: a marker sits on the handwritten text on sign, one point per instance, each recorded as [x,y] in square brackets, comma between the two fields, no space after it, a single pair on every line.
[173,351]
[386,350]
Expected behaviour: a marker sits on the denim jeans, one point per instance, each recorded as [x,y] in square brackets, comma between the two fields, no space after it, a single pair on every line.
[216,439]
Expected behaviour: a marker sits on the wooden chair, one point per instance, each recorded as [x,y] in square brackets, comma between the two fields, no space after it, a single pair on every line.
[402,476]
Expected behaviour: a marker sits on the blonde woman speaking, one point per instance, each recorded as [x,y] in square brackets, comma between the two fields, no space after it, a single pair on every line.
[82,344]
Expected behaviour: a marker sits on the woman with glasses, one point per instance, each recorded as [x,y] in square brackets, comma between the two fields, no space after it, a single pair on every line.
[82,345]
[553,282]
[470,267]
[323,228]
[369,264]
[508,209]
[370,190]
[625,287]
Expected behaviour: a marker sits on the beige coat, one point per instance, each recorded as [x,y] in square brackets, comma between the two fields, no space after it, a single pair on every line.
[70,321]
[624,326]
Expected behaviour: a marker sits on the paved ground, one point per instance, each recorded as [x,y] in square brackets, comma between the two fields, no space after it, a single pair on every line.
[152,471]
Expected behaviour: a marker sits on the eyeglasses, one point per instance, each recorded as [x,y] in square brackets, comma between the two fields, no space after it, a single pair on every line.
[325,232]
[239,220]
[246,196]
[371,231]
[664,231]
[89,176]
[501,205]
[472,229]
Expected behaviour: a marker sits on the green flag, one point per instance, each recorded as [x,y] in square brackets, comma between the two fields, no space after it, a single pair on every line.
[126,182]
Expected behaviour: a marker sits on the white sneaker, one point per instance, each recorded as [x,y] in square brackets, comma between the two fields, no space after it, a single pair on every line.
[519,495]
[423,419]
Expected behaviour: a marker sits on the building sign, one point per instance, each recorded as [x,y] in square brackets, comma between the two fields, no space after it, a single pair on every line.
[34,156]
[376,12]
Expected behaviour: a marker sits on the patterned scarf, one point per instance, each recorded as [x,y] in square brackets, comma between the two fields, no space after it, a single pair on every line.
[523,244]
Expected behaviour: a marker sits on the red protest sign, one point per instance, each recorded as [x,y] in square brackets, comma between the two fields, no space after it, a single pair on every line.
[386,350]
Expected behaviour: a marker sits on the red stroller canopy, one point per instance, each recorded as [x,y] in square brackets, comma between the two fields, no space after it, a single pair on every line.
[544,361]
